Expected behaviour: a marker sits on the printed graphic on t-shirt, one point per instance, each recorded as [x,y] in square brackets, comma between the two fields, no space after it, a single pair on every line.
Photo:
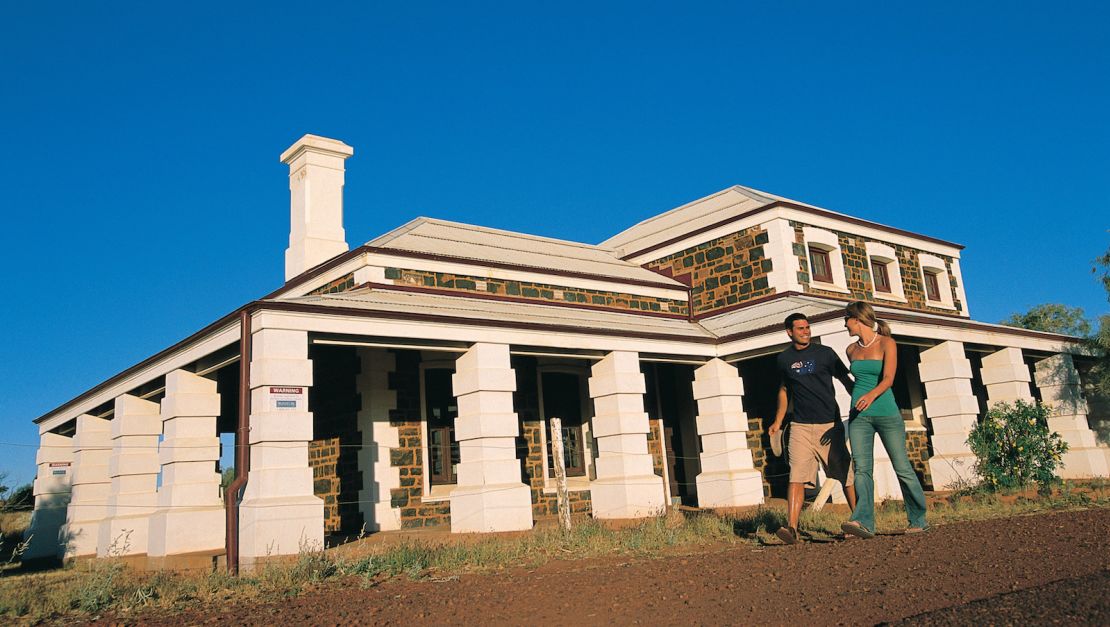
[803,367]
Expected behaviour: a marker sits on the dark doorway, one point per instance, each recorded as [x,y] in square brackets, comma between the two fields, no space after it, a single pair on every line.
[761,389]
[670,397]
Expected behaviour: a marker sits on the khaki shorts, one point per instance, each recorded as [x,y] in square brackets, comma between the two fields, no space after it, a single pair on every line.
[806,451]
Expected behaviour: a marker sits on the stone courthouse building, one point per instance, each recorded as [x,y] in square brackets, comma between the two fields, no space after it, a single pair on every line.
[410,381]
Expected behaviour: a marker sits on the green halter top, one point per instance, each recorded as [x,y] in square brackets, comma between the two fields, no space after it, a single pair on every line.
[867,373]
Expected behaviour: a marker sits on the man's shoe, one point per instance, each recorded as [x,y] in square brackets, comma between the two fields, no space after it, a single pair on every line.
[788,535]
[857,530]
[918,529]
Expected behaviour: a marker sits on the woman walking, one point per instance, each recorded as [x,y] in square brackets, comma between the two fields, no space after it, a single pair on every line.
[874,360]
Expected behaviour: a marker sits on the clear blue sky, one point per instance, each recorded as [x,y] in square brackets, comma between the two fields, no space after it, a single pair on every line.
[143,198]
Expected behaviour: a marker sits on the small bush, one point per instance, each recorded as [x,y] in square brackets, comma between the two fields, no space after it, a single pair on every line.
[1014,447]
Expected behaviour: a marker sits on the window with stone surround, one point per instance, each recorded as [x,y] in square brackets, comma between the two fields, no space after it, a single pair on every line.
[440,410]
[886,272]
[880,277]
[819,266]
[825,260]
[934,275]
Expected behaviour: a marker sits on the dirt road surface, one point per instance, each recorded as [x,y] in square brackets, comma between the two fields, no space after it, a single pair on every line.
[1050,568]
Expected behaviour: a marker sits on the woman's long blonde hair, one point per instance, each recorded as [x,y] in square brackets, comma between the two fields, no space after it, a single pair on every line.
[866,314]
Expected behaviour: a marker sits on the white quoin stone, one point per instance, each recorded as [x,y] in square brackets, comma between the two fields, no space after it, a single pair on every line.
[952,411]
[378,437]
[626,484]
[279,514]
[1006,376]
[52,491]
[92,446]
[728,477]
[490,495]
[190,515]
[316,172]
[133,467]
[1058,381]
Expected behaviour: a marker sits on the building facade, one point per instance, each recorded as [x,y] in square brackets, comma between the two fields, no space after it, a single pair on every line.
[410,382]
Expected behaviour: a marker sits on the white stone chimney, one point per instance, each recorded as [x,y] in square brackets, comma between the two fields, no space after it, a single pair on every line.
[315,202]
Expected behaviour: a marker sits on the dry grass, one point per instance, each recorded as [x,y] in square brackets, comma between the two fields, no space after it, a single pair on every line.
[108,586]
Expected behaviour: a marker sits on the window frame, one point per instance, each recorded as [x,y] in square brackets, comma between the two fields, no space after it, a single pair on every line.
[578,481]
[879,269]
[827,242]
[878,252]
[816,253]
[932,285]
[434,490]
[931,264]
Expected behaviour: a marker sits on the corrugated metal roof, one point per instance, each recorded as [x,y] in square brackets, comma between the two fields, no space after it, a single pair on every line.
[452,239]
[502,311]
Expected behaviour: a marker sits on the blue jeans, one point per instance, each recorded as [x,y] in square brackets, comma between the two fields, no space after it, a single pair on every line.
[892,432]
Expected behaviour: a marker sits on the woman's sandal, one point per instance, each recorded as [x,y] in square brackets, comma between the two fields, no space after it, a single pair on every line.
[856,529]
[910,530]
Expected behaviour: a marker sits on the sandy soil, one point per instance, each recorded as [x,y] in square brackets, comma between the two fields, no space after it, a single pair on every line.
[1043,569]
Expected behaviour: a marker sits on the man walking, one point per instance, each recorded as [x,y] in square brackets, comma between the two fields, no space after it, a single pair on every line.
[816,432]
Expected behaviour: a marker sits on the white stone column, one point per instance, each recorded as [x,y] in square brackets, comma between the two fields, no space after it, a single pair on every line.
[953,412]
[626,484]
[92,446]
[1058,382]
[490,495]
[133,467]
[378,437]
[190,515]
[52,490]
[728,477]
[1006,376]
[279,513]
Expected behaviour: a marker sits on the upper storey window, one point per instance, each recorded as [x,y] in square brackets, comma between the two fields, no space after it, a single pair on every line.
[934,277]
[886,274]
[819,264]
[826,265]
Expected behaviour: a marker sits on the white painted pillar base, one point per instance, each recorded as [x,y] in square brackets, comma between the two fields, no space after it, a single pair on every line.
[190,516]
[133,468]
[490,495]
[378,437]
[626,484]
[728,477]
[279,514]
[91,485]
[1058,382]
[952,411]
[52,491]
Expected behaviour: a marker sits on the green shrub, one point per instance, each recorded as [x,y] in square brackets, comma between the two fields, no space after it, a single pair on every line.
[1014,447]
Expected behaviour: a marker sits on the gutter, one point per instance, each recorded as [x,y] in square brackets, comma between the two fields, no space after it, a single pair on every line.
[232,496]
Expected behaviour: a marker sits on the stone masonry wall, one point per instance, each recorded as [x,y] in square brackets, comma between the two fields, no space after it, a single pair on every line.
[759,450]
[917,448]
[526,403]
[540,292]
[721,272]
[408,456]
[342,284]
[655,446]
[853,250]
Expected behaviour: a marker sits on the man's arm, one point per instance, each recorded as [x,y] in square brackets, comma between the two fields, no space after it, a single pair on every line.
[842,374]
[780,411]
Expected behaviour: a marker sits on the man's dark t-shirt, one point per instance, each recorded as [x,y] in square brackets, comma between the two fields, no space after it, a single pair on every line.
[808,376]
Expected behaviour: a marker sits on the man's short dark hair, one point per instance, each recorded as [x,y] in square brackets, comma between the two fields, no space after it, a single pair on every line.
[792,318]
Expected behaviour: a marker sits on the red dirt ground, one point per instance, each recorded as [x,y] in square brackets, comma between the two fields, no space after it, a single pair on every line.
[1050,568]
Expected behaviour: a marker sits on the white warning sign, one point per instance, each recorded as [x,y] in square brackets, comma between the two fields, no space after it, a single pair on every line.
[287,398]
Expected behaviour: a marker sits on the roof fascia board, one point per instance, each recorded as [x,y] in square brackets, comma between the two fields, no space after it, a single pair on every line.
[617,242]
[743,221]
[209,340]
[348,264]
[357,322]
